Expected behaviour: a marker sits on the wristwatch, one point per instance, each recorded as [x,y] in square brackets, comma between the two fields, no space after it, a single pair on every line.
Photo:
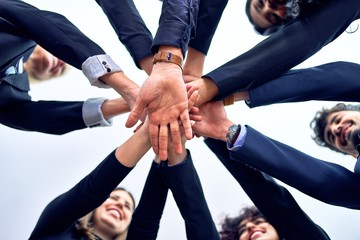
[233,133]
[168,57]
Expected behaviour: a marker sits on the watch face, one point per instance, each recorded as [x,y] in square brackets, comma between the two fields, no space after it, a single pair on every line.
[233,133]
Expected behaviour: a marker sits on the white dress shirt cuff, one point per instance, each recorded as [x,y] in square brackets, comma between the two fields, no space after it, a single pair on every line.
[97,66]
[92,114]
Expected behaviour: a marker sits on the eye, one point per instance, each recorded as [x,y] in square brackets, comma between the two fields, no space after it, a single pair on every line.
[261,3]
[259,221]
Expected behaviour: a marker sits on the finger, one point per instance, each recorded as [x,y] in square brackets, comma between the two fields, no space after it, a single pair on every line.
[195,117]
[163,141]
[176,136]
[185,120]
[135,114]
[192,99]
[154,137]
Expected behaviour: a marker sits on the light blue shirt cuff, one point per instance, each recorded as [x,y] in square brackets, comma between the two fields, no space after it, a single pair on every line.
[92,114]
[239,141]
[97,66]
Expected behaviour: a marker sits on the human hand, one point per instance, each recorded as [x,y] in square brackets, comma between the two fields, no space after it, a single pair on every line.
[164,96]
[214,122]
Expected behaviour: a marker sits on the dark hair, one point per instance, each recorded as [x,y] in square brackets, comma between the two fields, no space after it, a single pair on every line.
[230,226]
[293,11]
[319,122]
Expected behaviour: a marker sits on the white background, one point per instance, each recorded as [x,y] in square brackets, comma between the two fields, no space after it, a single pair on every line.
[35,167]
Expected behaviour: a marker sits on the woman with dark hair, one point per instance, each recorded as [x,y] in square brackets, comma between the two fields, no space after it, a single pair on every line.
[113,208]
[249,224]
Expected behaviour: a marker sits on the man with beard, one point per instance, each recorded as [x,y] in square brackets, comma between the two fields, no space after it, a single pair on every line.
[322,180]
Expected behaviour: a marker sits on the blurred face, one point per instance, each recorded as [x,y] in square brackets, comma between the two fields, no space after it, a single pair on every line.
[341,131]
[257,229]
[43,65]
[114,215]
[266,13]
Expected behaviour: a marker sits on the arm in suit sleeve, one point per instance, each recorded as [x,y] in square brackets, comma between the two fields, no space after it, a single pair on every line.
[209,16]
[129,27]
[146,218]
[185,186]
[52,31]
[273,200]
[300,39]
[337,81]
[325,181]
[88,194]
[177,24]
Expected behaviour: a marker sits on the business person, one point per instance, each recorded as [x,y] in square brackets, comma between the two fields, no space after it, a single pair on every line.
[273,200]
[325,181]
[114,208]
[300,38]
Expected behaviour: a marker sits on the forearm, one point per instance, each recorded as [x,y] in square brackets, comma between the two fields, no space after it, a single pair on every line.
[176,25]
[146,218]
[61,33]
[132,150]
[209,16]
[114,107]
[300,40]
[335,81]
[129,27]
[186,187]
[343,190]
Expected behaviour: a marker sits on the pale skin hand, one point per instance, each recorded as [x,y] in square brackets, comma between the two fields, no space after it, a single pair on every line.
[123,85]
[164,96]
[214,123]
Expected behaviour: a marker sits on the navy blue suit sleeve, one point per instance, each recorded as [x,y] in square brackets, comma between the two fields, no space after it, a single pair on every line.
[286,48]
[177,24]
[186,188]
[325,181]
[274,201]
[146,218]
[337,81]
[52,117]
[209,16]
[85,196]
[129,27]
[52,31]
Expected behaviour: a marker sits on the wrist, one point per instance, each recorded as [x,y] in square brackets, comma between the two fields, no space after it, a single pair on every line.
[207,90]
[233,134]
[168,57]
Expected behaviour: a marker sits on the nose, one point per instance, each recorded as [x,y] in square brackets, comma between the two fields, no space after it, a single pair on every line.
[336,129]
[273,7]
[249,225]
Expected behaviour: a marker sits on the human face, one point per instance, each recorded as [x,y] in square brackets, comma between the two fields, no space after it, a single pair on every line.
[341,131]
[114,215]
[267,13]
[43,65]
[257,229]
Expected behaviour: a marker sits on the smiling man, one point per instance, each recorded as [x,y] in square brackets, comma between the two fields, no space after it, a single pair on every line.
[338,128]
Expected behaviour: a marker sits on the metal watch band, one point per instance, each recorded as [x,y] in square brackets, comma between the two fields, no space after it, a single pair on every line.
[168,57]
[233,133]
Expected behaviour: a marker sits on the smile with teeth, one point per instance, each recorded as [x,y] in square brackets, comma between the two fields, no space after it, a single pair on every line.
[255,235]
[115,213]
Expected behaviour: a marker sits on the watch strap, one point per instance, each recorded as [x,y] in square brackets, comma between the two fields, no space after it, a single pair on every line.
[168,57]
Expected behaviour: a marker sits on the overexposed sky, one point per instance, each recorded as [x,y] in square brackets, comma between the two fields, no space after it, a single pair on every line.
[36,167]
